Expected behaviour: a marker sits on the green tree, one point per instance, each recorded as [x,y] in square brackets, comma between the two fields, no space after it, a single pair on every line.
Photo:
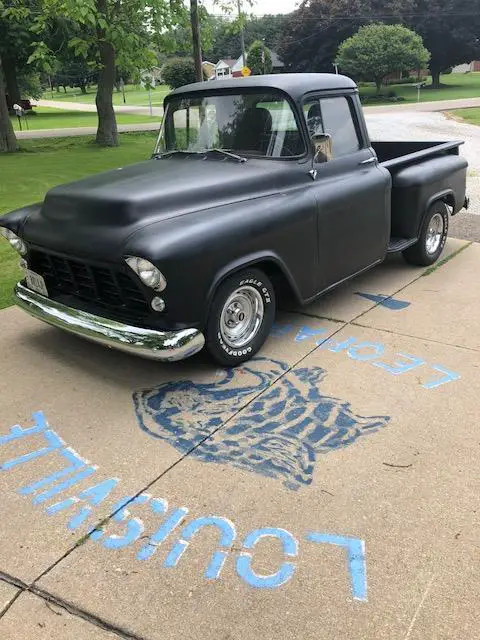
[177,72]
[313,33]
[221,39]
[377,50]
[115,34]
[8,141]
[259,59]
[16,41]
[450,31]
[11,17]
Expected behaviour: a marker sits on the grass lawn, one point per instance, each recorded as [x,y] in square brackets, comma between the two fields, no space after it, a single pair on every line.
[49,118]
[472,116]
[134,95]
[44,163]
[456,86]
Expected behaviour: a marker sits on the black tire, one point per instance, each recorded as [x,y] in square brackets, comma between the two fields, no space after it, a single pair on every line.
[250,293]
[418,253]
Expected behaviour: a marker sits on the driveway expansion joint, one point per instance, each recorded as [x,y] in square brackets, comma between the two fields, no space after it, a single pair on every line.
[51,599]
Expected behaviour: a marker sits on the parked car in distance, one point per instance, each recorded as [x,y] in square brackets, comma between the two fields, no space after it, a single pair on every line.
[258,188]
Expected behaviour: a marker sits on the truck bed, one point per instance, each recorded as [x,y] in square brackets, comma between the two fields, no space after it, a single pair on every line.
[396,154]
[421,172]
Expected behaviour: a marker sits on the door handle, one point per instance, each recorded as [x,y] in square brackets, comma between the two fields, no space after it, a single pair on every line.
[369,160]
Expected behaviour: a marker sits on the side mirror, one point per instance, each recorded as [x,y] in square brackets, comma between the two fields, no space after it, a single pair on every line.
[322,147]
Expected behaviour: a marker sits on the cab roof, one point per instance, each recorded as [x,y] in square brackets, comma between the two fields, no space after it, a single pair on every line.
[294,84]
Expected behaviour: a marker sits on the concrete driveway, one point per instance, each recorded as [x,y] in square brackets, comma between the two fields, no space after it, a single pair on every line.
[328,489]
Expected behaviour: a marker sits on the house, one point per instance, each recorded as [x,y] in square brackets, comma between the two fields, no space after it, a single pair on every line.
[467,67]
[223,68]
[229,68]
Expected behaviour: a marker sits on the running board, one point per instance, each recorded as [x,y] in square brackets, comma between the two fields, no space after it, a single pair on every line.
[400,244]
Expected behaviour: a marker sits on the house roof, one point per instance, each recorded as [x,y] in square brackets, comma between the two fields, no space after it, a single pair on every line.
[295,84]
[276,62]
[229,62]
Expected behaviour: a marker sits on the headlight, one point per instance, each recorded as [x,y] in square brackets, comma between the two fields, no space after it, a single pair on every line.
[147,272]
[15,242]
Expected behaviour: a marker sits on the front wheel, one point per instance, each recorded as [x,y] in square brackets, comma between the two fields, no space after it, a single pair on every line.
[433,236]
[241,317]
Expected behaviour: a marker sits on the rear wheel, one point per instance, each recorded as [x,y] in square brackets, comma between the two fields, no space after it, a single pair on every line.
[241,317]
[433,236]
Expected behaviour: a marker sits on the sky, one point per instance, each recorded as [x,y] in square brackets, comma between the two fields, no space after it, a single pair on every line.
[259,7]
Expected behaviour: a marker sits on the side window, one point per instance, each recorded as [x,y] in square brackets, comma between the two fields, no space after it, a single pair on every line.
[333,116]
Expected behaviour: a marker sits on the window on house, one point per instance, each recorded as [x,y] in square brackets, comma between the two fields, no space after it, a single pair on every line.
[333,116]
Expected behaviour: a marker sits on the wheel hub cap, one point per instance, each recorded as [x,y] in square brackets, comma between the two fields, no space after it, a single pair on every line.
[241,317]
[434,234]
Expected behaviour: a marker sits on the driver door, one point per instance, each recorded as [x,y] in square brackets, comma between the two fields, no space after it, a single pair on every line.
[352,193]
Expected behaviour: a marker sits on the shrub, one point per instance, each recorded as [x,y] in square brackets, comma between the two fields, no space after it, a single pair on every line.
[178,71]
[380,97]
[409,80]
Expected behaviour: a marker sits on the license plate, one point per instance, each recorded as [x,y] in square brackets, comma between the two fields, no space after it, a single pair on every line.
[36,282]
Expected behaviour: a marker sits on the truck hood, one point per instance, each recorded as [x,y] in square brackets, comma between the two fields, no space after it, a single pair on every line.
[85,216]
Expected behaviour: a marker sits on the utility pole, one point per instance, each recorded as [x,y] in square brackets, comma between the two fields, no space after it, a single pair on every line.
[242,37]
[197,51]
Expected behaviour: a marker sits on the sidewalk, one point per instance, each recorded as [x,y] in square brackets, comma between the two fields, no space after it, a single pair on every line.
[438,105]
[84,131]
[82,106]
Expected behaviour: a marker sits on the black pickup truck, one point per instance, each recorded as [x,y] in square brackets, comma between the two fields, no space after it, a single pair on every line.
[258,188]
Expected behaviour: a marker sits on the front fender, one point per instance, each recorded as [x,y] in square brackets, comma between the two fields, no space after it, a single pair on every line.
[196,252]
[251,260]
[16,219]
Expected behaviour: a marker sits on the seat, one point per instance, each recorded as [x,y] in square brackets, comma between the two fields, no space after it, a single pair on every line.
[253,131]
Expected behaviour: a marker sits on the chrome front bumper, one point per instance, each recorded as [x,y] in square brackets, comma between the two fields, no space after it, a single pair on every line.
[149,343]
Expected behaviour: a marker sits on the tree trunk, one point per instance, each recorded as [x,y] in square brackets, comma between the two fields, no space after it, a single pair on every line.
[10,72]
[83,89]
[107,125]
[435,78]
[8,141]
[378,83]
[197,51]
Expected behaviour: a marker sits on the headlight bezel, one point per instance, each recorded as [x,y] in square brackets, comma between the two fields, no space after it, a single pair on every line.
[17,243]
[147,272]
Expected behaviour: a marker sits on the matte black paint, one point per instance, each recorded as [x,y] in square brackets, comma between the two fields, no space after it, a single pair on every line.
[199,218]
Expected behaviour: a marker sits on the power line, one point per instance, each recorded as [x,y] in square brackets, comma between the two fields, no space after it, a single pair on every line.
[370,16]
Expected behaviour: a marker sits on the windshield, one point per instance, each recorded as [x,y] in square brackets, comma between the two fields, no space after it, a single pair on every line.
[256,124]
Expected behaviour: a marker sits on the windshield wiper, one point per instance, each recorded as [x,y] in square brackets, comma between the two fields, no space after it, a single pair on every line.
[167,154]
[229,154]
